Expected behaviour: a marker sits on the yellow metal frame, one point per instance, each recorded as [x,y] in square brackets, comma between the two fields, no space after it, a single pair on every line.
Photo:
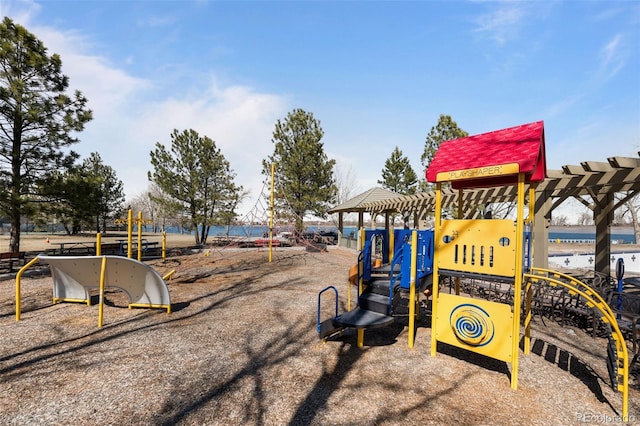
[139,221]
[471,232]
[70,300]
[271,211]
[412,289]
[594,300]
[360,331]
[103,268]
[443,260]
[150,306]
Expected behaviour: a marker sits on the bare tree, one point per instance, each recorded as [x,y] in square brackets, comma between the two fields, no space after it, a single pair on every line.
[629,212]
[585,218]
[559,220]
[345,180]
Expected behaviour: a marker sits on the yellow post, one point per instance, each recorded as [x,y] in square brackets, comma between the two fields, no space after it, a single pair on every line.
[517,285]
[527,318]
[273,168]
[18,278]
[528,287]
[361,267]
[412,288]
[460,216]
[98,244]
[391,243]
[348,295]
[129,232]
[164,245]
[360,337]
[103,271]
[139,236]
[436,278]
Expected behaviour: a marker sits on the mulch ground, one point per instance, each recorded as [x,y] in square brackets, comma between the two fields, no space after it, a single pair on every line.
[241,347]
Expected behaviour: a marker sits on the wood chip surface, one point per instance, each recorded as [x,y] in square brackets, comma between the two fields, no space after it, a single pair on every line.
[241,347]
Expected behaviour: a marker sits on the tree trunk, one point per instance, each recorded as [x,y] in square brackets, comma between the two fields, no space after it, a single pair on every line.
[196,232]
[16,201]
[299,230]
[204,233]
[14,242]
[634,220]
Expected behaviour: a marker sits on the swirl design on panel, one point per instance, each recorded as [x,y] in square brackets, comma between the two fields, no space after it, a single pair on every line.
[472,325]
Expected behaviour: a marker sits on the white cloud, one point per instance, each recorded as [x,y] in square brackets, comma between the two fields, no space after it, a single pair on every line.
[20,12]
[612,56]
[503,23]
[156,21]
[132,113]
[561,106]
[237,118]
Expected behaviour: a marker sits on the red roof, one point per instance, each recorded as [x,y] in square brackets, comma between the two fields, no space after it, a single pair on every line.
[491,159]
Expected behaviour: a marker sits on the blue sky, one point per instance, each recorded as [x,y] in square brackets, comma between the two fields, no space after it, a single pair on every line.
[376,74]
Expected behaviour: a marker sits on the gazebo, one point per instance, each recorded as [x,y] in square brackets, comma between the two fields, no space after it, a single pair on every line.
[356,205]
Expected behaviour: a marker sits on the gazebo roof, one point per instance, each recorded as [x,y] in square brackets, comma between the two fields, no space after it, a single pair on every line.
[356,203]
[491,159]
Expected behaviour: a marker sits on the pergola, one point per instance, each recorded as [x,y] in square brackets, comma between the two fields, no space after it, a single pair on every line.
[355,205]
[592,183]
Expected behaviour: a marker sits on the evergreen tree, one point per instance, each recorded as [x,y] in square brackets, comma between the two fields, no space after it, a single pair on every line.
[108,190]
[398,175]
[303,181]
[446,129]
[37,118]
[195,174]
[88,194]
[70,197]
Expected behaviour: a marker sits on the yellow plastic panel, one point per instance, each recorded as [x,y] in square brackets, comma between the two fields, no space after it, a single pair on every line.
[483,246]
[479,172]
[476,325]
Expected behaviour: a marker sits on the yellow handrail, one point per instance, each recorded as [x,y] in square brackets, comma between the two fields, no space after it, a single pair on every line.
[18,277]
[103,270]
[594,300]
[412,286]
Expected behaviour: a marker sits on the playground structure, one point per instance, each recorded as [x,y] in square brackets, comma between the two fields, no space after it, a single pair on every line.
[402,263]
[493,251]
[75,277]
[140,246]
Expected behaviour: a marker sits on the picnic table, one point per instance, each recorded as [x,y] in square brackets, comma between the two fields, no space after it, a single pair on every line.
[8,259]
[149,248]
[76,247]
[134,244]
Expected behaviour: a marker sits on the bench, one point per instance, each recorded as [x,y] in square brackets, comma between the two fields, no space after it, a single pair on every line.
[148,248]
[111,248]
[265,243]
[8,259]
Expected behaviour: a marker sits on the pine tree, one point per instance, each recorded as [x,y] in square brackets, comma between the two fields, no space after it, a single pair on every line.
[304,181]
[398,175]
[446,129]
[37,119]
[196,175]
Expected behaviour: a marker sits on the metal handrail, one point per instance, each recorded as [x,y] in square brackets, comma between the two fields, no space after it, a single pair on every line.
[335,290]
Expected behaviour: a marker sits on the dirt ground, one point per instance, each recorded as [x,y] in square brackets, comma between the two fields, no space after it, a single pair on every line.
[241,347]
